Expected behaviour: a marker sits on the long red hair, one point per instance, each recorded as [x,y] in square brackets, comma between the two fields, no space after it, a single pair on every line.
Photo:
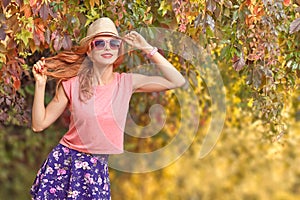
[75,62]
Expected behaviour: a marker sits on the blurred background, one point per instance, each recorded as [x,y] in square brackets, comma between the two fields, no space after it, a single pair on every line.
[255,45]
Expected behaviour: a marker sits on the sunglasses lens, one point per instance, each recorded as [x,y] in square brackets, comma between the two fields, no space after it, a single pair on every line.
[115,44]
[99,44]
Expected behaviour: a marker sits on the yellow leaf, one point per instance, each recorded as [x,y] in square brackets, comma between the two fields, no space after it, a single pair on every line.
[2,58]
[250,102]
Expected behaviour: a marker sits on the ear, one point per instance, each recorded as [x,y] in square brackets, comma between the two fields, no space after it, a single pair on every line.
[89,53]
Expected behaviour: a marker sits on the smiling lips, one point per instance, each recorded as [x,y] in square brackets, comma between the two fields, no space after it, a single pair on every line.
[107,55]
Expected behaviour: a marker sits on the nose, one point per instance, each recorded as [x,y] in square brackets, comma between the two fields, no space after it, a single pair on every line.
[107,46]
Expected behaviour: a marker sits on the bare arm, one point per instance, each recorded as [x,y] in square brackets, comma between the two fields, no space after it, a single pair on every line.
[43,117]
[142,83]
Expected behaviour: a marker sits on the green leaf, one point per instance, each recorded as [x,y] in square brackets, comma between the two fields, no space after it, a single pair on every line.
[151,33]
[289,63]
[29,89]
[295,66]
[24,36]
[164,8]
[235,16]
[225,51]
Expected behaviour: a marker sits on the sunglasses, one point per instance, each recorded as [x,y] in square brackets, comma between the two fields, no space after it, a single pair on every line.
[100,44]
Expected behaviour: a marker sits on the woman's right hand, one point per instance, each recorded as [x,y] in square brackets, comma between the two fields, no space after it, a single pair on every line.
[38,71]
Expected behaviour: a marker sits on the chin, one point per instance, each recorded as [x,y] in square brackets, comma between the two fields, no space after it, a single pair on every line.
[107,62]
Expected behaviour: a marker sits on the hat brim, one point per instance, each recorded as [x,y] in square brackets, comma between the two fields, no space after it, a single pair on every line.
[84,41]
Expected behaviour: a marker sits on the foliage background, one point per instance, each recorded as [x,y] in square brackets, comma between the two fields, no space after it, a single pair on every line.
[255,44]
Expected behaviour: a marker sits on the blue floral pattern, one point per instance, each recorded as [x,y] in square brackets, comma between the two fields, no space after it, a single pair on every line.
[68,174]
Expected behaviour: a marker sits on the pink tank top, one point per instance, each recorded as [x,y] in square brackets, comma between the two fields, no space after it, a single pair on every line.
[97,125]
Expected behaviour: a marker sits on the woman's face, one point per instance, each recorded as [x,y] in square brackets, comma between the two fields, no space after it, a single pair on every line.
[104,50]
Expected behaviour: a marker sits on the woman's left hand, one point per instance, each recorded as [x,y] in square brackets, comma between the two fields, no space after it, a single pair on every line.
[136,40]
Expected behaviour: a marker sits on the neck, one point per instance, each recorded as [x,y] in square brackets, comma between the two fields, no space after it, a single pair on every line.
[103,75]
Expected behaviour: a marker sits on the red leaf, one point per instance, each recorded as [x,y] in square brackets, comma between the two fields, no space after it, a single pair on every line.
[295,26]
[12,44]
[238,62]
[54,15]
[257,77]
[76,33]
[57,44]
[7,80]
[286,2]
[5,3]
[54,34]
[41,35]
[258,10]
[47,36]
[27,10]
[36,39]
[12,21]
[32,3]
[17,82]
[67,42]
[19,2]
[2,34]
[20,60]
[182,28]
[39,32]
[211,5]
[8,101]
[248,2]
[44,11]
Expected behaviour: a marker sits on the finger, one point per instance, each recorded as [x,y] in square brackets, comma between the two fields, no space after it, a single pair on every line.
[40,64]
[134,33]
[35,68]
[129,40]
[35,73]
[128,37]
[43,65]
[127,34]
[131,37]
[38,67]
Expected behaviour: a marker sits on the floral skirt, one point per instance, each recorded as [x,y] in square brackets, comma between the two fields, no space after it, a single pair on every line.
[69,174]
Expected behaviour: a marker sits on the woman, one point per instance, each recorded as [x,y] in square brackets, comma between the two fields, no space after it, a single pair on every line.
[98,100]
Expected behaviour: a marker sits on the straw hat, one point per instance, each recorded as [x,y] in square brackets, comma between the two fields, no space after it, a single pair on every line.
[102,26]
